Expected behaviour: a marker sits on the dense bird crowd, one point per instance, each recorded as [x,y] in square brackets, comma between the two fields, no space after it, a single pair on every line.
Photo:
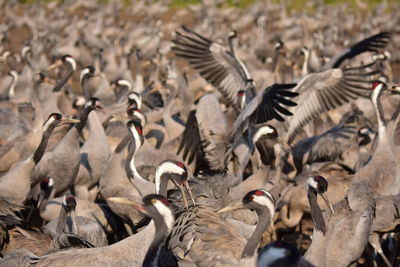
[209,135]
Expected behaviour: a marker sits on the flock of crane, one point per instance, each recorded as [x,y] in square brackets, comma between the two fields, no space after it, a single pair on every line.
[146,135]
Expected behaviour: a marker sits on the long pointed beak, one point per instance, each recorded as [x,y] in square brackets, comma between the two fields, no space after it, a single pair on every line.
[395,89]
[230,208]
[55,65]
[189,190]
[328,203]
[181,188]
[125,201]
[69,121]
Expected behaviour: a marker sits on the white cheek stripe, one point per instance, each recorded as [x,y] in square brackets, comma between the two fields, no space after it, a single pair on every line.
[166,167]
[83,73]
[48,122]
[312,183]
[72,62]
[141,117]
[80,101]
[136,98]
[125,83]
[376,92]
[166,213]
[264,201]
[263,130]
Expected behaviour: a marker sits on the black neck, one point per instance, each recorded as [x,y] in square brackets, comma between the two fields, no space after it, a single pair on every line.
[230,41]
[83,118]
[85,88]
[45,199]
[163,185]
[161,234]
[264,218]
[122,144]
[39,152]
[62,220]
[316,212]
[64,79]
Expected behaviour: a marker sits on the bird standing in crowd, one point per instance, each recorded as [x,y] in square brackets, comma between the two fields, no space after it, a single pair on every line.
[203,134]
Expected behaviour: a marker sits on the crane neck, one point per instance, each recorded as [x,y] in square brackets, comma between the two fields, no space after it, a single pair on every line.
[264,219]
[96,129]
[143,186]
[379,112]
[62,220]
[122,144]
[11,89]
[316,212]
[161,233]
[39,152]
[304,69]
[83,118]
[59,85]
[163,187]
[231,39]
[49,194]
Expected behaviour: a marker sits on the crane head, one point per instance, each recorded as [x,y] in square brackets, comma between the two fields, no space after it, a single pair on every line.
[136,114]
[135,127]
[319,185]
[69,203]
[176,172]
[134,99]
[46,188]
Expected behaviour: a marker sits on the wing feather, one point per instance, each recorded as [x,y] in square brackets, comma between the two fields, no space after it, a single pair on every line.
[327,90]
[214,63]
[372,44]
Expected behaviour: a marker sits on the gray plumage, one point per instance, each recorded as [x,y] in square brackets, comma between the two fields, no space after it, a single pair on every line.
[346,231]
[327,90]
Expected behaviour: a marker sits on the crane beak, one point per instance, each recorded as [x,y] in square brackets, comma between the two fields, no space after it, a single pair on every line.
[230,208]
[69,121]
[328,203]
[121,200]
[395,89]
[55,65]
[182,189]
[189,190]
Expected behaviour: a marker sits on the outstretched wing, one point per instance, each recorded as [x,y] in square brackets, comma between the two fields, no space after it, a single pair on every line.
[269,104]
[371,44]
[327,90]
[214,63]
